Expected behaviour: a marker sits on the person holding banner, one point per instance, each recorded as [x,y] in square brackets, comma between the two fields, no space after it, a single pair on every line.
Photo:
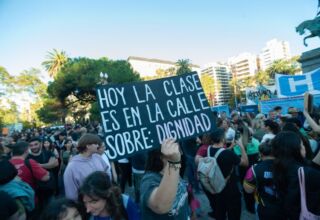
[306,112]
[163,193]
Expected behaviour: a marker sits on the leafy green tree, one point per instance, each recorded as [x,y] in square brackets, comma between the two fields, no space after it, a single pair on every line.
[51,112]
[30,81]
[27,84]
[6,82]
[76,81]
[9,113]
[210,88]
[80,76]
[95,112]
[161,73]
[261,78]
[55,61]
[184,66]
[283,66]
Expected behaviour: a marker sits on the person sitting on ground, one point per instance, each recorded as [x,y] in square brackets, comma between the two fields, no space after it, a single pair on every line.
[104,201]
[163,193]
[62,209]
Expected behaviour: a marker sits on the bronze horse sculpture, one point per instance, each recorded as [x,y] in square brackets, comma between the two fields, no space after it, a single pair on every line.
[312,25]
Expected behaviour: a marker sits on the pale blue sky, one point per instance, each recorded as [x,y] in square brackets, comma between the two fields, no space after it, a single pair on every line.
[201,30]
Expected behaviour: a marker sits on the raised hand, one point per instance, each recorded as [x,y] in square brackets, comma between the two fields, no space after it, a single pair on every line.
[170,150]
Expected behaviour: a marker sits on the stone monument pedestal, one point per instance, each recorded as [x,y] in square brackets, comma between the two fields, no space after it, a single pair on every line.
[310,60]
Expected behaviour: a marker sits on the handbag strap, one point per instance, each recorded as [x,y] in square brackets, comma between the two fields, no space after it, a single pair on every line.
[302,189]
[216,155]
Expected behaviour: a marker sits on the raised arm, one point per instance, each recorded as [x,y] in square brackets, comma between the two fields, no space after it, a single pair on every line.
[162,197]
[311,122]
[244,157]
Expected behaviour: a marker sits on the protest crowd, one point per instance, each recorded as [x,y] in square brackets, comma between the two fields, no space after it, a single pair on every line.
[270,166]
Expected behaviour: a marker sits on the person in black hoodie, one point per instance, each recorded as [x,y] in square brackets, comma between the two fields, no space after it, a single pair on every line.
[289,154]
[259,180]
[138,162]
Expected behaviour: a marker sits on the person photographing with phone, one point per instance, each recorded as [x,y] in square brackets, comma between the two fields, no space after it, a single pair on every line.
[227,203]
[251,146]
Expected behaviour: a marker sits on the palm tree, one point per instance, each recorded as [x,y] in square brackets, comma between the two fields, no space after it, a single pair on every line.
[286,67]
[184,66]
[261,78]
[56,60]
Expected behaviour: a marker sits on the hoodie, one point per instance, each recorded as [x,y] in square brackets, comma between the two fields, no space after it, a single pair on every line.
[78,169]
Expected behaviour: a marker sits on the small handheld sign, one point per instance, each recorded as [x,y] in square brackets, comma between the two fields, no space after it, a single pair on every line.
[139,116]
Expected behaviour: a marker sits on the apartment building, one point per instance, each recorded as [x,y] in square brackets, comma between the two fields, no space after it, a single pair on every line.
[147,67]
[274,50]
[221,75]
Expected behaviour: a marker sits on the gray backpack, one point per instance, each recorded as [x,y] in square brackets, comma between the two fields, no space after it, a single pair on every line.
[210,174]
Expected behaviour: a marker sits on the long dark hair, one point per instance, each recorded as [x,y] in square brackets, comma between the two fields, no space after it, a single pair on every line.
[57,209]
[98,185]
[289,126]
[286,148]
[274,127]
[51,147]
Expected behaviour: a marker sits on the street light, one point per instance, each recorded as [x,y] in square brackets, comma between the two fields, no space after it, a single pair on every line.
[103,78]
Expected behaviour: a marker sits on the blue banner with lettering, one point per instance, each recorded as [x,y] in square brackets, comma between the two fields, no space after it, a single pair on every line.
[288,86]
[285,103]
[221,108]
[249,108]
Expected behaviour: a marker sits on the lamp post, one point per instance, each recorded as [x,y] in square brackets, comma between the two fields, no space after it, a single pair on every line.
[103,78]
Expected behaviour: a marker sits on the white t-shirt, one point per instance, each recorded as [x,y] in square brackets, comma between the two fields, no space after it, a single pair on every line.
[267,137]
[230,134]
[106,160]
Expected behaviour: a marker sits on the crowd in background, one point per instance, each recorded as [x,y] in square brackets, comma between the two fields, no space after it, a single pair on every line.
[64,173]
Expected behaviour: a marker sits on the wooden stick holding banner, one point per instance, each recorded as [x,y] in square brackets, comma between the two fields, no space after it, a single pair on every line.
[138,116]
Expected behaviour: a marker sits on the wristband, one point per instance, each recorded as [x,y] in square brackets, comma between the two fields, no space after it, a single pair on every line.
[174,165]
